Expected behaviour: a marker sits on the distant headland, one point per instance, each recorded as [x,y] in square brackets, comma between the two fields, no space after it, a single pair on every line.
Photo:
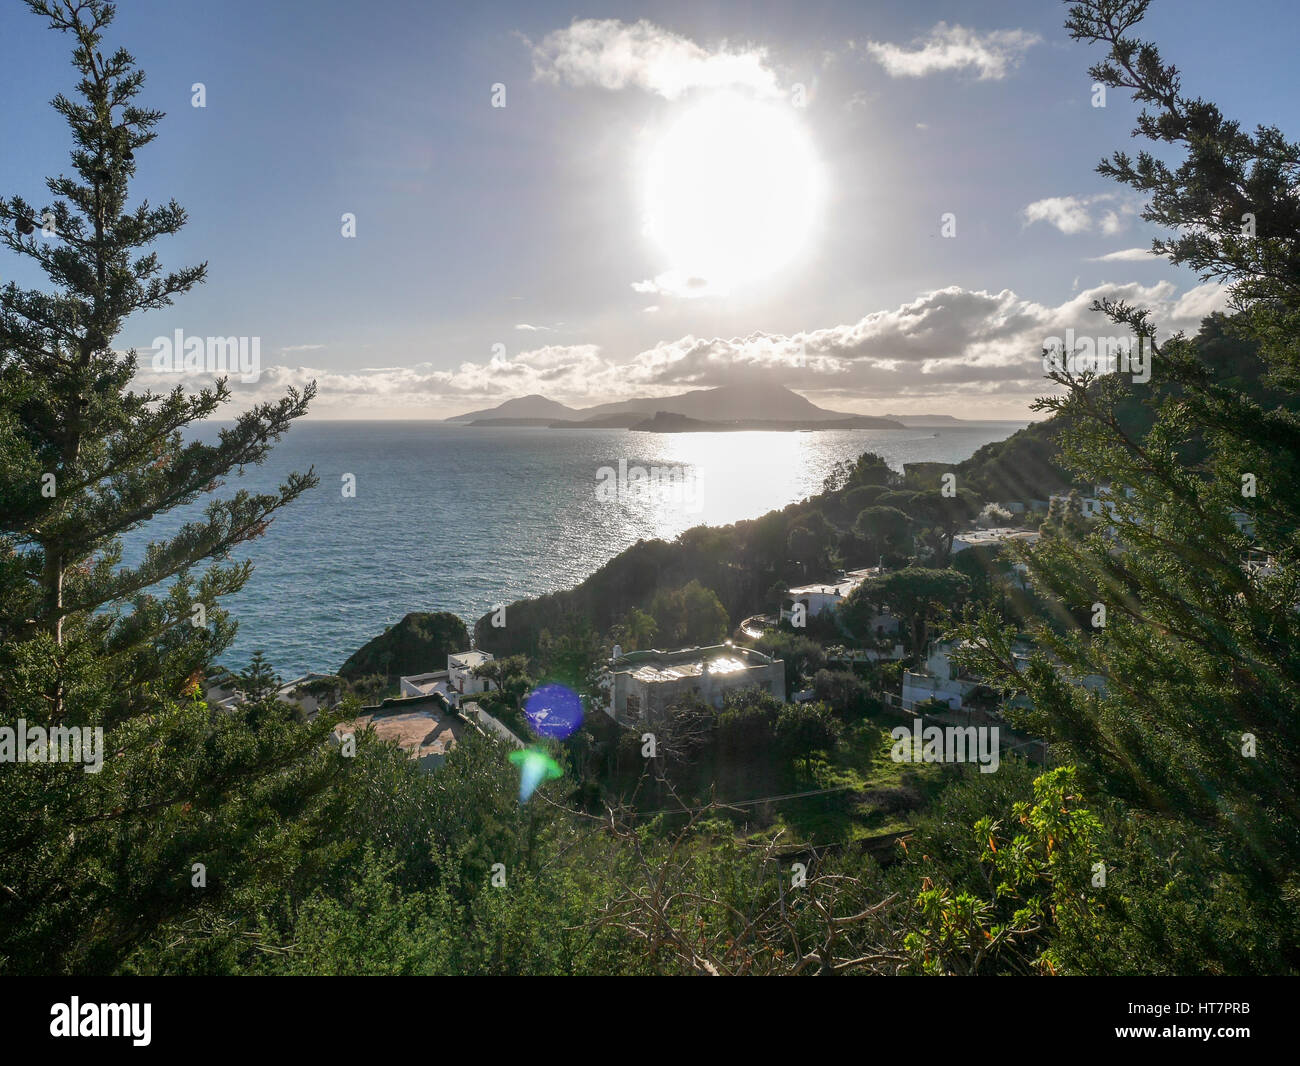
[727,408]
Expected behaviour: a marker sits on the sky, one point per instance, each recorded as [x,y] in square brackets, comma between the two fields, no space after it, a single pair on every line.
[888,206]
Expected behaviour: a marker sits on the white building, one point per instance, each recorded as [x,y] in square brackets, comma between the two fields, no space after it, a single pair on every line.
[827,597]
[1100,503]
[642,685]
[941,679]
[460,672]
[425,684]
[1103,503]
[1089,506]
[819,598]
[455,681]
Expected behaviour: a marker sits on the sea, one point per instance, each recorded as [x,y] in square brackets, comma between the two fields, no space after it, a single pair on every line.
[435,516]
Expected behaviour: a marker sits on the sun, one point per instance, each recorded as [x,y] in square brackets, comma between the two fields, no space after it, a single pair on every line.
[732,192]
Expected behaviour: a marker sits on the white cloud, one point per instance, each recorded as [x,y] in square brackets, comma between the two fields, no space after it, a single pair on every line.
[526,328]
[1069,214]
[1125,255]
[1203,300]
[610,54]
[952,345]
[1074,214]
[677,283]
[993,55]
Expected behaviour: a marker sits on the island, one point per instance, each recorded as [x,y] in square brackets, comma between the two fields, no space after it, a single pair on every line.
[734,408]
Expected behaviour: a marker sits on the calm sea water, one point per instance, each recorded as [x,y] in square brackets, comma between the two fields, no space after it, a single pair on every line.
[455,518]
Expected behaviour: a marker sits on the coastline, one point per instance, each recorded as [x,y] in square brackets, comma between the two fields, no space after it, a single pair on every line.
[446,518]
[568,579]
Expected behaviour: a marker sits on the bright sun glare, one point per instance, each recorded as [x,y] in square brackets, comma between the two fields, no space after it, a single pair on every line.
[732,191]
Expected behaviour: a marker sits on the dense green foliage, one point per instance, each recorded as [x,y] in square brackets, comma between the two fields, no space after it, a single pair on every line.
[1189,745]
[93,863]
[421,641]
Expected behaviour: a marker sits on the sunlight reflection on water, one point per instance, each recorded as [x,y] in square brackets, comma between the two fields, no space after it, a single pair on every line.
[456,518]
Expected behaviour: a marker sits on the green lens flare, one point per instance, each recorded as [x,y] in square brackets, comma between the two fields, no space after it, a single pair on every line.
[534,767]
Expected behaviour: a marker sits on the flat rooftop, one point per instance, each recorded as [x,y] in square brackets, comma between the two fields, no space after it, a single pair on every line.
[723,664]
[658,666]
[843,588]
[428,683]
[851,580]
[419,731]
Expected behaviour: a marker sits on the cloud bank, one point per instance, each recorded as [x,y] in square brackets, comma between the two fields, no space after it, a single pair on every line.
[948,346]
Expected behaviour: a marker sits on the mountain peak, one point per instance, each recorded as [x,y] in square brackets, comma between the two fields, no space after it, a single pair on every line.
[748,400]
[531,406]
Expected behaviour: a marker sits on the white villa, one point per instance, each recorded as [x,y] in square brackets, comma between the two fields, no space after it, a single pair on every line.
[456,681]
[642,685]
[818,599]
[1101,502]
[1089,506]
[823,597]
[941,679]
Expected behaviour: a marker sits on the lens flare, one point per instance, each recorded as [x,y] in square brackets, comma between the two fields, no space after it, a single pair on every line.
[553,711]
[534,767]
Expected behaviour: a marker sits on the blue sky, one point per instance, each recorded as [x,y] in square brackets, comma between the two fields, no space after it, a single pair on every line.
[474,220]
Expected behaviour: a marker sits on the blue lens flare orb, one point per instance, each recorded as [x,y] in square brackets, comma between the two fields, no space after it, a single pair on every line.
[534,767]
[553,711]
